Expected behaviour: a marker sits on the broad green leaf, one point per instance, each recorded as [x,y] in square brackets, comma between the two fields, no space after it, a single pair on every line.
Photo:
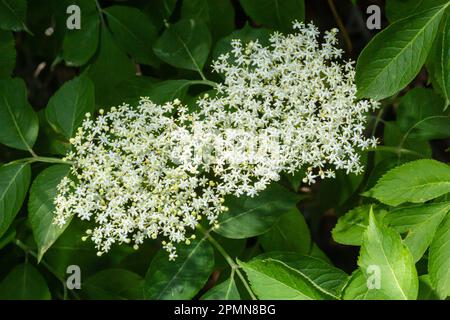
[272,279]
[359,289]
[382,249]
[439,259]
[66,109]
[114,284]
[24,282]
[277,14]
[220,24]
[110,67]
[13,14]
[350,227]
[169,90]
[18,120]
[399,9]
[426,291]
[80,45]
[248,217]
[50,142]
[160,11]
[7,53]
[246,34]
[289,233]
[420,116]
[182,278]
[14,183]
[70,249]
[133,32]
[185,45]
[416,181]
[435,63]
[318,253]
[321,274]
[226,290]
[41,207]
[419,223]
[445,60]
[395,55]
[132,89]
[401,146]
[7,237]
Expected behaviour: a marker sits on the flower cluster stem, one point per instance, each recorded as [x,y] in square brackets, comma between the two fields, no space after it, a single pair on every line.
[234,266]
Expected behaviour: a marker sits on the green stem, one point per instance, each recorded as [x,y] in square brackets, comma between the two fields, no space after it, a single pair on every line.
[40,159]
[341,26]
[228,259]
[100,12]
[32,153]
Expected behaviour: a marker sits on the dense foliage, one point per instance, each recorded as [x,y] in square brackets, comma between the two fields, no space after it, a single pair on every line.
[380,234]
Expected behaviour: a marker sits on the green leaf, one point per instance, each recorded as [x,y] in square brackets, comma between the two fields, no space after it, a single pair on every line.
[169,90]
[289,233]
[435,63]
[382,248]
[400,146]
[80,45]
[248,217]
[358,289]
[399,9]
[246,34]
[439,259]
[321,274]
[226,290]
[395,55]
[24,282]
[426,291]
[416,181]
[273,280]
[419,223]
[134,33]
[278,14]
[445,60]
[7,53]
[14,183]
[67,107]
[182,278]
[18,120]
[207,11]
[160,10]
[41,207]
[185,45]
[420,115]
[7,238]
[13,14]
[350,227]
[70,249]
[318,253]
[114,284]
[298,278]
[111,66]
[131,90]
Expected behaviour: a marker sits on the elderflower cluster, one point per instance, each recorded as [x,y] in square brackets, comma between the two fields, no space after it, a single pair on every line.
[155,171]
[296,100]
[128,177]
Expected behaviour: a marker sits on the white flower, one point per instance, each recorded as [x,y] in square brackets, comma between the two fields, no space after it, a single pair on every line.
[154,171]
